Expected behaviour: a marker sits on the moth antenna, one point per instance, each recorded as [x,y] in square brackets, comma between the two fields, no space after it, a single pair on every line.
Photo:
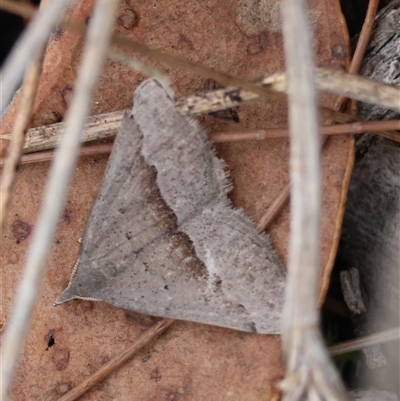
[74,270]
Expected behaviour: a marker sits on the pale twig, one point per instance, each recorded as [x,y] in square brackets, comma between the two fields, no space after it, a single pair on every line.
[110,127]
[137,65]
[96,127]
[109,367]
[36,35]
[360,343]
[21,124]
[22,118]
[107,125]
[309,371]
[99,35]
[327,79]
[360,88]
[314,336]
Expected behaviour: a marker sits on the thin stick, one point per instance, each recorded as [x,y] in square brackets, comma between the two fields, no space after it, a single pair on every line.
[364,36]
[110,128]
[96,127]
[367,341]
[21,123]
[108,368]
[337,129]
[22,118]
[275,208]
[362,44]
[99,35]
[35,36]
[107,125]
[41,157]
[304,173]
[137,65]
[309,371]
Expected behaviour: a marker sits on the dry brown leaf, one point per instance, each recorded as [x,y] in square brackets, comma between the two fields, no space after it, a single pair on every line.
[190,361]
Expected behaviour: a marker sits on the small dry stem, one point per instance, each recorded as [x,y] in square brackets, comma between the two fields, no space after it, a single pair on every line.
[312,376]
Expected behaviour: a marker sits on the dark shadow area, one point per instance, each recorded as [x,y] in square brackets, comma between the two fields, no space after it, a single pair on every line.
[11,26]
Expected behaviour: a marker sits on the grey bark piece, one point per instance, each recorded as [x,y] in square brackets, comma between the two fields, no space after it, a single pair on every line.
[371,225]
[382,60]
[351,288]
[163,238]
[370,241]
[370,238]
